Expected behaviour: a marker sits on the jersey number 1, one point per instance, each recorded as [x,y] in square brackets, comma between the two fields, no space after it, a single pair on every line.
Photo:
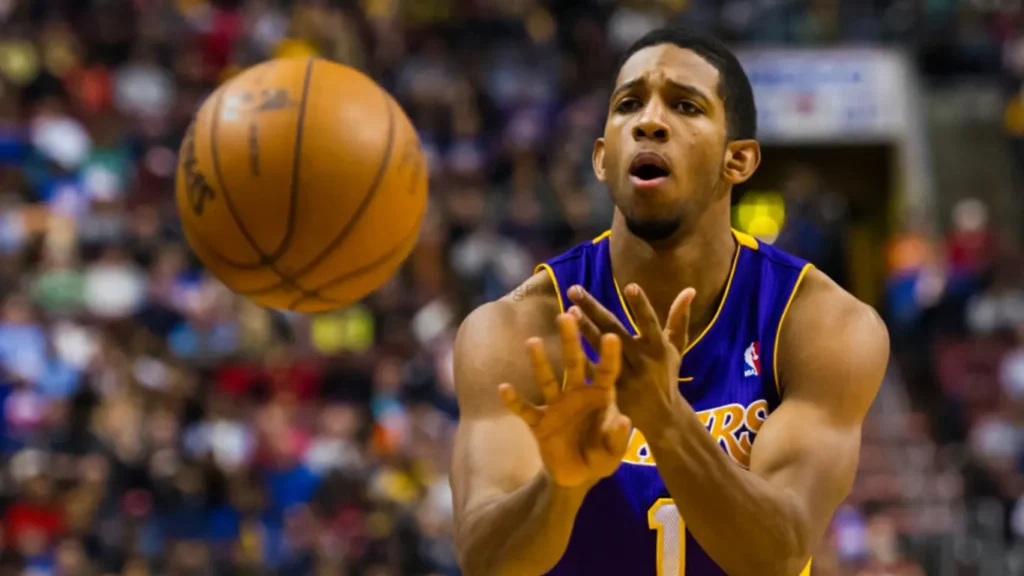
[663,517]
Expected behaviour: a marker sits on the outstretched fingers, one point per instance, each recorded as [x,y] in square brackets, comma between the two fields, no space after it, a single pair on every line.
[616,436]
[549,385]
[590,332]
[613,439]
[677,327]
[646,319]
[605,321]
[573,358]
[610,365]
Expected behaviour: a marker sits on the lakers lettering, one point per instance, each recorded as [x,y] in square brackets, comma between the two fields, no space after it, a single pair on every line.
[733,426]
[197,188]
[637,452]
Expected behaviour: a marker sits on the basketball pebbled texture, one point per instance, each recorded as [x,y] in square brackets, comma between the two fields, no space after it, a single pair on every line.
[301,184]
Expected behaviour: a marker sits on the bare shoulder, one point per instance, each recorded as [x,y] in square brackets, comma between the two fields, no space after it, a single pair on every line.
[832,345]
[490,345]
[537,290]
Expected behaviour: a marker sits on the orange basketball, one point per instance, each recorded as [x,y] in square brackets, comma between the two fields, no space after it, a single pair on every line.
[301,184]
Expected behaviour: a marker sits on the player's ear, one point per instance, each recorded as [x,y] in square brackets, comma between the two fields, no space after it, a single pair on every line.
[742,157]
[598,159]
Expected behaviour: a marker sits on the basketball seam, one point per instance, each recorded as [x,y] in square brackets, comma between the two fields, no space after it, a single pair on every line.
[296,163]
[410,235]
[265,260]
[228,202]
[208,246]
[351,274]
[353,220]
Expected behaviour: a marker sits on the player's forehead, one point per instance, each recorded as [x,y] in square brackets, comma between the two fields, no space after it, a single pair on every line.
[668,62]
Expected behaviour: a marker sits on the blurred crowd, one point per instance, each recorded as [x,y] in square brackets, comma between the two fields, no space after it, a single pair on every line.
[154,423]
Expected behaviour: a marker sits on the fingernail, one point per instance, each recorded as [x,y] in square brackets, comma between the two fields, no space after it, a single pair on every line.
[632,289]
[576,291]
[575,311]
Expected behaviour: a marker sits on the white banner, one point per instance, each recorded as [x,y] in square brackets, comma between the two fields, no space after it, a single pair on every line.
[829,95]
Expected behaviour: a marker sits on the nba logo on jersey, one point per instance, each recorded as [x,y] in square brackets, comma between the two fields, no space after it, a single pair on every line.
[752,356]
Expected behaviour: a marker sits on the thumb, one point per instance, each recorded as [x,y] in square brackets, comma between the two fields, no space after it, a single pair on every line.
[616,435]
[515,403]
[678,324]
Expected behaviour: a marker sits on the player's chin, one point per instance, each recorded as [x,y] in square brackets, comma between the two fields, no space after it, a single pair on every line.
[653,227]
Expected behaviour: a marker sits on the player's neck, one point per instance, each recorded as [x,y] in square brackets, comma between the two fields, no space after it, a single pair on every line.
[702,261]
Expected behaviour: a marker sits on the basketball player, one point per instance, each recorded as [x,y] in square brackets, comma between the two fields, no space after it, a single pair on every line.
[706,418]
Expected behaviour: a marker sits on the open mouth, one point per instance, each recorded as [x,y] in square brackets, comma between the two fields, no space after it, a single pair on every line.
[648,168]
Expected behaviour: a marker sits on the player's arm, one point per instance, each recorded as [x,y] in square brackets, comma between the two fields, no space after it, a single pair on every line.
[767,520]
[511,515]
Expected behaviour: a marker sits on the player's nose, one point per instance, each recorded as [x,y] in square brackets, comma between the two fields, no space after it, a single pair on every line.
[651,127]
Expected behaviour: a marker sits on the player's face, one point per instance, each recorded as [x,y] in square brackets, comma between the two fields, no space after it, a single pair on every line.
[665,154]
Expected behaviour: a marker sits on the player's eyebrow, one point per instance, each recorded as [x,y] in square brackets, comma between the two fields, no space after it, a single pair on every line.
[688,89]
[627,85]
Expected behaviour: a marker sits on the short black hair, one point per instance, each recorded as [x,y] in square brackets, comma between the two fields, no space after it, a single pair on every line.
[733,85]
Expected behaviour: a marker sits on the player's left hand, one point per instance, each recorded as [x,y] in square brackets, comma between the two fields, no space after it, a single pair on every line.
[648,384]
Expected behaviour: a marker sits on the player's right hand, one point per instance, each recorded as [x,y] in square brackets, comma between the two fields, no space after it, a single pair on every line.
[581,434]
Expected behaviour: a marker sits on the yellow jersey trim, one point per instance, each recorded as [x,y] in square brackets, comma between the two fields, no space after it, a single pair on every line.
[782,319]
[746,239]
[561,305]
[625,308]
[721,305]
[558,291]
[742,239]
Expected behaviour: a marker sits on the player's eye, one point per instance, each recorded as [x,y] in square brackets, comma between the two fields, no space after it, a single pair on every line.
[687,107]
[627,105]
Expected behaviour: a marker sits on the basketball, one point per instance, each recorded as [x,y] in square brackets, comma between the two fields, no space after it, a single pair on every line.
[301,184]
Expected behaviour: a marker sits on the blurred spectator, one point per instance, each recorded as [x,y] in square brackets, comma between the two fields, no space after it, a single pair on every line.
[33,522]
[972,245]
[916,282]
[886,557]
[1011,371]
[1000,308]
[813,225]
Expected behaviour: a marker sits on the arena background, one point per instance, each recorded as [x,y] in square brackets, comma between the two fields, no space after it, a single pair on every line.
[154,423]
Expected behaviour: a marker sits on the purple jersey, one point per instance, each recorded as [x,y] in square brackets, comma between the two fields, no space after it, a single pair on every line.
[628,523]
